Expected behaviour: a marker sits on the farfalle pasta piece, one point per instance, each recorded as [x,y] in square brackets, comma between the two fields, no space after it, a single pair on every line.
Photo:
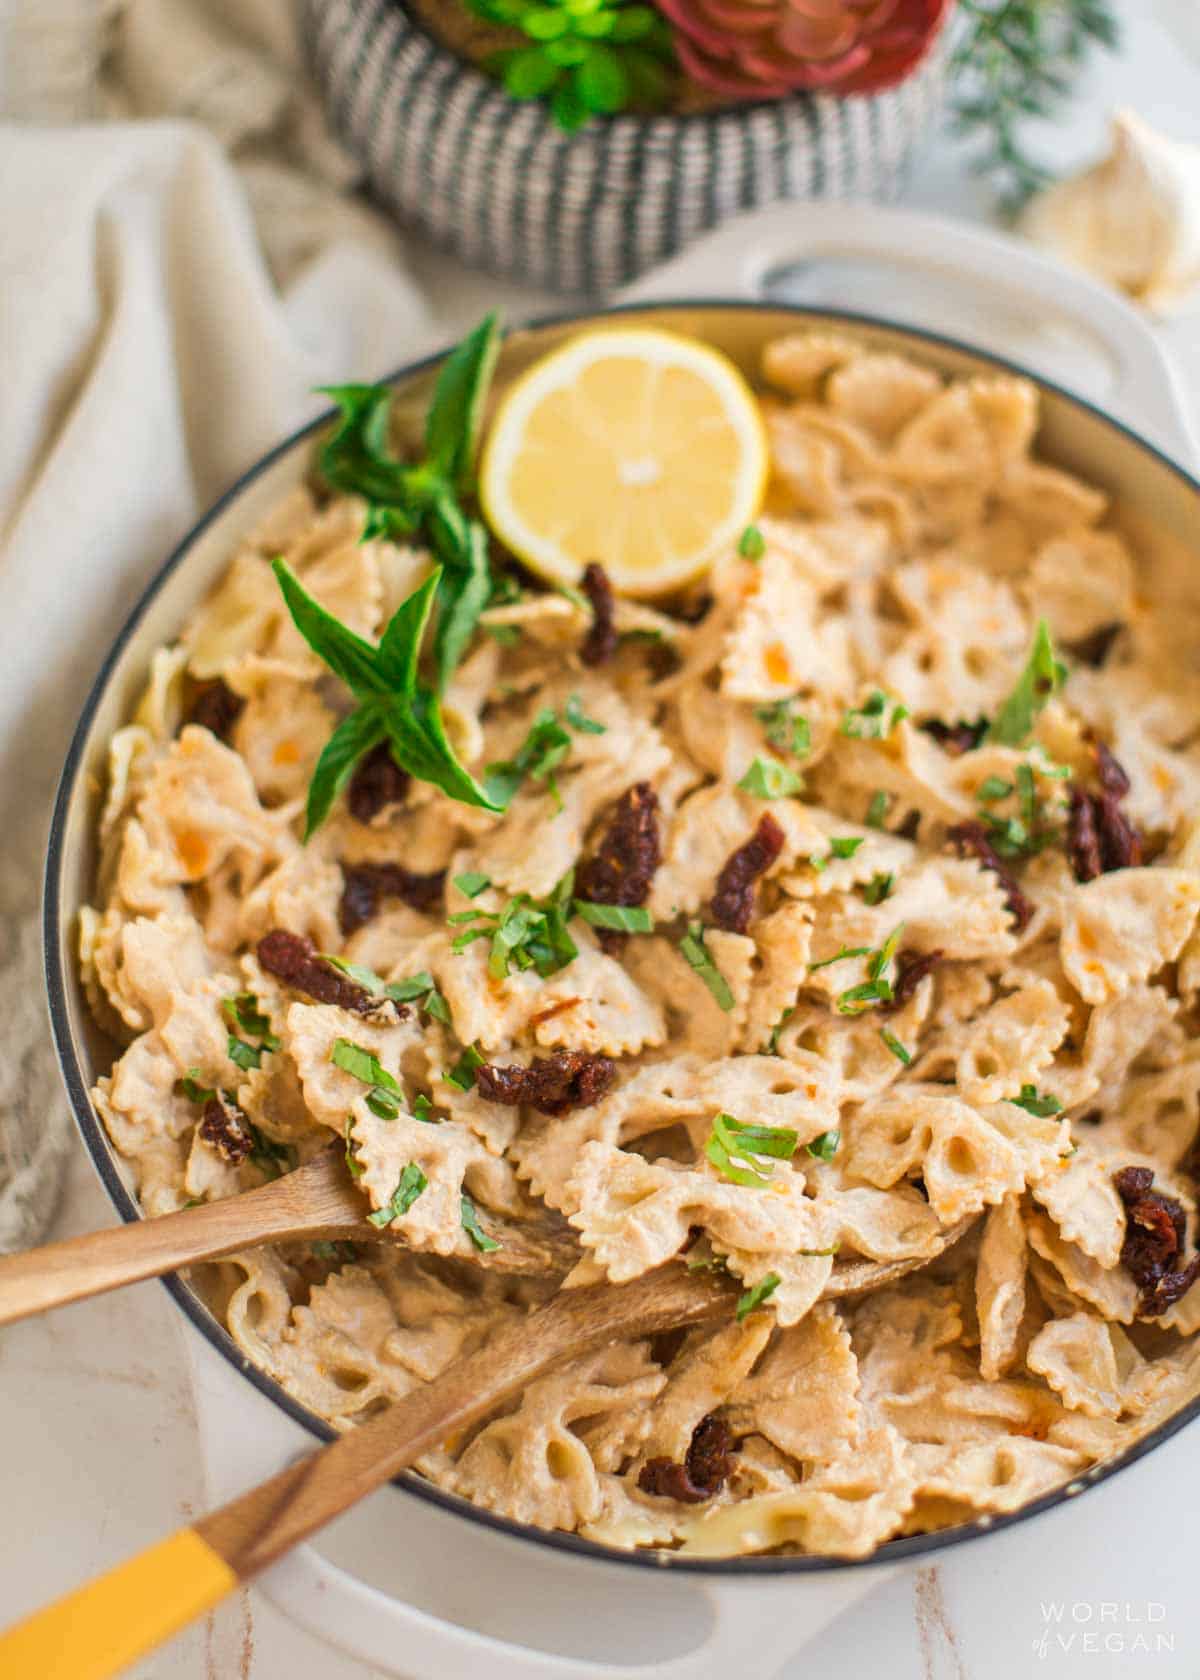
[780,644]
[1078,1195]
[1003,1048]
[783,941]
[997,1475]
[140,963]
[448,1159]
[1081,583]
[282,728]
[1000,1287]
[1091,1365]
[532,1466]
[843,1509]
[798,362]
[968,642]
[803,1394]
[881,392]
[200,808]
[969,432]
[633,1214]
[1110,1290]
[331,1093]
[700,1379]
[709,825]
[801,1279]
[1122,928]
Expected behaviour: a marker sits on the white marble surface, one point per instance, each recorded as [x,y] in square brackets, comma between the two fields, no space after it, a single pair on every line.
[98,1443]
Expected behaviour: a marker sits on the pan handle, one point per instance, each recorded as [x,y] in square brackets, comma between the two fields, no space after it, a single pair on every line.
[740,257]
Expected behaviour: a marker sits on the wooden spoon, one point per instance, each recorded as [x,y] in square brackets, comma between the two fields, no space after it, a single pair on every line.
[96,1631]
[316,1201]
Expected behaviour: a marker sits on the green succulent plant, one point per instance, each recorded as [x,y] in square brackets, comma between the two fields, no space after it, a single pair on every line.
[586,58]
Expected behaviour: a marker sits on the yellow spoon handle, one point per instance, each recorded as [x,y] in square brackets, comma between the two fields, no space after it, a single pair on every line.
[95,1632]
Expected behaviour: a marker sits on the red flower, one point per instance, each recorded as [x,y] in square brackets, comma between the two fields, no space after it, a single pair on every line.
[763,49]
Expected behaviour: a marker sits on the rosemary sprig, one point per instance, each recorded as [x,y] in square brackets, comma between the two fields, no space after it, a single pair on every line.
[1017,59]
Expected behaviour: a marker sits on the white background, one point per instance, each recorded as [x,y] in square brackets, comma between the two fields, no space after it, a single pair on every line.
[98,1450]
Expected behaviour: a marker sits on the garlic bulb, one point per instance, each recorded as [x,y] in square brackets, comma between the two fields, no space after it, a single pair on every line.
[1133,219]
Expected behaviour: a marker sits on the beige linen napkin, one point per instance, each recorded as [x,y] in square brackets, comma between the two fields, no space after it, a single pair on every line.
[146,359]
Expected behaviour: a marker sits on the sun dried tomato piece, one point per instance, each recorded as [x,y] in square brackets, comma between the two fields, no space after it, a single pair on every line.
[1083,839]
[216,707]
[292,958]
[733,900]
[707,1465]
[1155,1233]
[224,1126]
[1094,649]
[600,643]
[911,969]
[366,884]
[1100,836]
[629,852]
[971,839]
[552,1084]
[956,738]
[377,782]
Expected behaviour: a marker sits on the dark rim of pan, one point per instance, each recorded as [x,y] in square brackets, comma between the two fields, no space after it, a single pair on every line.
[123,1200]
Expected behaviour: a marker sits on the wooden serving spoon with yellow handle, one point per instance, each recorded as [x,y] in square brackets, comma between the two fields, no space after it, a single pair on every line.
[96,1631]
[316,1201]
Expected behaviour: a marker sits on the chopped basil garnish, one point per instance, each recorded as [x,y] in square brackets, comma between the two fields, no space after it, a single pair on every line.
[877,810]
[755,1297]
[785,727]
[1041,1107]
[768,779]
[825,1147]
[412,1183]
[462,1074]
[341,1251]
[190,1087]
[243,1055]
[472,883]
[422,1109]
[385,1094]
[992,788]
[272,1159]
[353,1165]
[877,988]
[1027,799]
[420,989]
[878,888]
[622,918]
[840,956]
[845,846]
[527,933]
[875,719]
[242,1013]
[471,1225]
[580,723]
[695,952]
[732,1148]
[1043,676]
[895,1046]
[752,545]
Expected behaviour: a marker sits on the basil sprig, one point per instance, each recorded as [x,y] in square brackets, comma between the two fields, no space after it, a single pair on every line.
[1043,676]
[407,498]
[394,704]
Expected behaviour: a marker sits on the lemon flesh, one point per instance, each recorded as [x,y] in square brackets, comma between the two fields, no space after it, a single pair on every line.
[633,447]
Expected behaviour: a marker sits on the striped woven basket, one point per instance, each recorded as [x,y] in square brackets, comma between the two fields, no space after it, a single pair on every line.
[499,184]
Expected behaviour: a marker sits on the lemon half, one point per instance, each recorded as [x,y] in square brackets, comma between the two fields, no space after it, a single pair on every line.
[630,446]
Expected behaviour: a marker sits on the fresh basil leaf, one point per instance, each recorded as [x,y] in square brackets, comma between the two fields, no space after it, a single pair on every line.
[351,741]
[732,1148]
[768,779]
[242,1013]
[695,953]
[992,788]
[471,1225]
[364,977]
[347,654]
[452,423]
[356,456]
[367,1068]
[472,883]
[621,918]
[877,810]
[878,888]
[190,1087]
[422,1109]
[465,586]
[756,1296]
[845,846]
[875,719]
[353,1165]
[825,1147]
[1043,676]
[412,1183]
